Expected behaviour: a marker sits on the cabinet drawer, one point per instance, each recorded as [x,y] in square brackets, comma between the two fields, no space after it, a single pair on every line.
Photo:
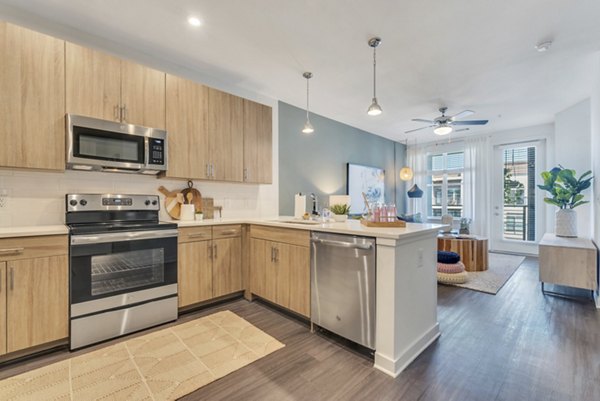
[227,231]
[191,234]
[33,247]
[284,235]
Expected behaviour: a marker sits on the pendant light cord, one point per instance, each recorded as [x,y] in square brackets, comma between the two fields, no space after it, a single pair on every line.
[374,73]
[307,97]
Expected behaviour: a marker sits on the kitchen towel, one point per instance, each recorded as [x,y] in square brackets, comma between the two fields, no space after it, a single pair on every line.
[299,206]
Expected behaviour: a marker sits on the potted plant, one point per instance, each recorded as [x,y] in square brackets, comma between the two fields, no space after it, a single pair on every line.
[340,212]
[566,190]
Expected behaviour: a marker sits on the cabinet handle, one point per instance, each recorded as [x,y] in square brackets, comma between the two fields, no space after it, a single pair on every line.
[276,254]
[210,252]
[9,251]
[124,113]
[212,171]
[199,235]
[117,113]
[245,174]
[228,232]
[272,254]
[12,278]
[215,252]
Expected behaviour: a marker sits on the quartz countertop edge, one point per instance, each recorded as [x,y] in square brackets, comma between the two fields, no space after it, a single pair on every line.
[33,231]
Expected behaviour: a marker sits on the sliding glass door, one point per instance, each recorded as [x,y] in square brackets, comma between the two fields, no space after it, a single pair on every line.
[517,218]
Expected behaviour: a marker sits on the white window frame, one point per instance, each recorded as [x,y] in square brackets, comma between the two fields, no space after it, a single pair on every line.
[444,173]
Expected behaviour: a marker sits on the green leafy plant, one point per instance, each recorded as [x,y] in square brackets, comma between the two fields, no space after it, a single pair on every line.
[340,209]
[564,187]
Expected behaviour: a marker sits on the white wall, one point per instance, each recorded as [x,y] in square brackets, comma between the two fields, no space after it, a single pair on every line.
[573,138]
[36,198]
[595,133]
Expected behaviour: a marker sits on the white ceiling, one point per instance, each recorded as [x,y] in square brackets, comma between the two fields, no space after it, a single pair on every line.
[475,54]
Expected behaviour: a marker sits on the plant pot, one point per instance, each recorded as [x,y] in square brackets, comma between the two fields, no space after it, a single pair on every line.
[340,218]
[566,223]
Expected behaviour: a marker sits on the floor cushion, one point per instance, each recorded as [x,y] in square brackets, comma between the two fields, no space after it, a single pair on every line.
[448,257]
[450,268]
[454,278]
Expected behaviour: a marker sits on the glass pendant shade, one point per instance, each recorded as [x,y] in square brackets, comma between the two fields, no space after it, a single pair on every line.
[308,128]
[374,108]
[406,174]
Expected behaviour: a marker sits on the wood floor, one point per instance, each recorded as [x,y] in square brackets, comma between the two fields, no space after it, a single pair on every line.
[517,345]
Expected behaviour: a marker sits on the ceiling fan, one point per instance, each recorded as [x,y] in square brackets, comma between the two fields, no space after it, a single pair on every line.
[443,125]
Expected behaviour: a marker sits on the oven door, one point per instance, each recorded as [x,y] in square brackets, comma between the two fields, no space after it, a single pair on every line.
[110,270]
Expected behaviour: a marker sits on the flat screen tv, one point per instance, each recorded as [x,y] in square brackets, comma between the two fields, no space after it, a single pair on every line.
[370,180]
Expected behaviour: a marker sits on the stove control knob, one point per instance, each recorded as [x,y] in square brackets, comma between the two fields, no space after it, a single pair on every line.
[147,202]
[154,203]
[73,202]
[83,202]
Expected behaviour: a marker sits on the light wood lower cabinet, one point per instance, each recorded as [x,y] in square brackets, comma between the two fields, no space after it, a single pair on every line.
[209,268]
[37,302]
[280,272]
[2,308]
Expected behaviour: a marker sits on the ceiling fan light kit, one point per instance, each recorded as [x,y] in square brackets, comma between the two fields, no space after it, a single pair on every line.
[308,128]
[374,109]
[442,129]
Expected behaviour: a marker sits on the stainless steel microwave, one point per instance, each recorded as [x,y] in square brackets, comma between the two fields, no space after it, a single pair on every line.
[101,145]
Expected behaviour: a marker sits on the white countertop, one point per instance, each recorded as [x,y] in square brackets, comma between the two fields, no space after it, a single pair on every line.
[32,231]
[351,227]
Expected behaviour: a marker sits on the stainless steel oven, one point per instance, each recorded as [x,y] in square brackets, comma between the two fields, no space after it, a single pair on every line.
[123,266]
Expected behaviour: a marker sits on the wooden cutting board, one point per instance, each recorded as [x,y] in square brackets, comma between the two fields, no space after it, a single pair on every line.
[192,195]
[173,201]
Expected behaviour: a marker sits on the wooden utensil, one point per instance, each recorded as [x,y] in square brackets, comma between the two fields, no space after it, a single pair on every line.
[172,206]
[196,197]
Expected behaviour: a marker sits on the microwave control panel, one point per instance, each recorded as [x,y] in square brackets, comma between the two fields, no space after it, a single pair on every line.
[156,151]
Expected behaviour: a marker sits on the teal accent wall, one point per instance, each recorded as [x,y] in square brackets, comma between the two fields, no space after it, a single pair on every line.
[317,162]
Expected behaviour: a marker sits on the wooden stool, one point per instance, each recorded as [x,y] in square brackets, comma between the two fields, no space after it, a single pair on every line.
[473,251]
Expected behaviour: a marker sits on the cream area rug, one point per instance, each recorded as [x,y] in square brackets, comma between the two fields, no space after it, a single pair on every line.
[501,268]
[163,365]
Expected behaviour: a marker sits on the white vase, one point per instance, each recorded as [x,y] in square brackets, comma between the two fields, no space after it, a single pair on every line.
[340,218]
[566,223]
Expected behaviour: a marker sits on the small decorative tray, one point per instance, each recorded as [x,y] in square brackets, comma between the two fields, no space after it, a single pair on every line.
[383,224]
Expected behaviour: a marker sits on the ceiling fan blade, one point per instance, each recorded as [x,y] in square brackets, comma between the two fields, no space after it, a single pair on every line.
[420,120]
[462,114]
[461,130]
[418,129]
[470,122]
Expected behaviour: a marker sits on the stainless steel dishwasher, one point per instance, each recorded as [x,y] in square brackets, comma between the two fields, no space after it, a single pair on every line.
[343,286]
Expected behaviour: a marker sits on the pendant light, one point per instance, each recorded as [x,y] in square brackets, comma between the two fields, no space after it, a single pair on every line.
[308,128]
[374,109]
[406,173]
[415,192]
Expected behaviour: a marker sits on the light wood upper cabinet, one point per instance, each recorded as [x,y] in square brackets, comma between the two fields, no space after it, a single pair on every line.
[2,308]
[258,143]
[37,301]
[103,86]
[93,83]
[186,119]
[226,136]
[227,266]
[194,272]
[32,99]
[142,95]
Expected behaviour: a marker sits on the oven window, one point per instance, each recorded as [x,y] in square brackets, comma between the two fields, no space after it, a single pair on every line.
[121,271]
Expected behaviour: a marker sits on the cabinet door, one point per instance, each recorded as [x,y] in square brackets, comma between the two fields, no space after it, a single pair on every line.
[280,274]
[142,95]
[37,309]
[226,140]
[2,308]
[194,268]
[93,82]
[187,105]
[298,261]
[259,259]
[258,143]
[32,98]
[227,266]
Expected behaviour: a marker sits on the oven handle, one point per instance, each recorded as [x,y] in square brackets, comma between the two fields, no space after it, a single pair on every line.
[119,237]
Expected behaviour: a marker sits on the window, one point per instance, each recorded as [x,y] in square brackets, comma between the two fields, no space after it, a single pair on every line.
[445,184]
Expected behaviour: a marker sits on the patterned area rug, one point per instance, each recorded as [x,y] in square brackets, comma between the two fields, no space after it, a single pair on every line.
[501,268]
[163,365]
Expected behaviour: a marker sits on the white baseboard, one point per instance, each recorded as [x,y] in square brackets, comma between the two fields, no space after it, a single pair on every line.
[395,367]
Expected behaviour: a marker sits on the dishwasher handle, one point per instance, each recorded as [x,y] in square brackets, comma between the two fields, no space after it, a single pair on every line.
[341,244]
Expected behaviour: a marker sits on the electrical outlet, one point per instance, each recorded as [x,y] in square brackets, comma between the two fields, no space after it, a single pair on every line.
[3,198]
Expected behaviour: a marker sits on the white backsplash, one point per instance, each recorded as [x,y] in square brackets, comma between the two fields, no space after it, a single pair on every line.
[38,198]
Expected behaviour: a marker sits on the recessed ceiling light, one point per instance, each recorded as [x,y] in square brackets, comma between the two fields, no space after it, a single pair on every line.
[543,46]
[194,21]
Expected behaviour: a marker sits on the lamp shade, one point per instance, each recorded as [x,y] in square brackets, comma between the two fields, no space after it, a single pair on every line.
[406,174]
[415,192]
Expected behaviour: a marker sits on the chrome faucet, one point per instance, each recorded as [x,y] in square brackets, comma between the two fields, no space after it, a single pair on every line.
[315,208]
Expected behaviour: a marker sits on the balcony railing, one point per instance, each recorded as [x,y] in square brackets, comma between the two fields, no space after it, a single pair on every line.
[515,222]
